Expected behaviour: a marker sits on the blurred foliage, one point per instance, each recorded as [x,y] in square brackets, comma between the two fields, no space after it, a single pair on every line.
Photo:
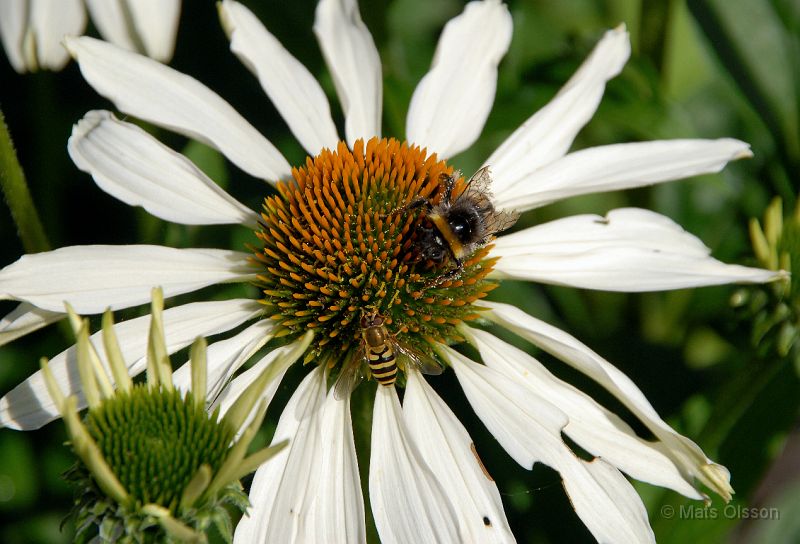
[701,69]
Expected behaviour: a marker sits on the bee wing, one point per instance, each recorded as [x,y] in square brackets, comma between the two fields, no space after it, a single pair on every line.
[424,363]
[498,221]
[478,187]
[351,375]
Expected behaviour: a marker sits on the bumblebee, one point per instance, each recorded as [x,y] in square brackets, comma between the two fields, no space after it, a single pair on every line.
[460,226]
[378,351]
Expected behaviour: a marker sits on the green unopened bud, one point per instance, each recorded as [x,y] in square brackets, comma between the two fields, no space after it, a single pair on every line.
[787,336]
[152,457]
[760,243]
[773,221]
[115,359]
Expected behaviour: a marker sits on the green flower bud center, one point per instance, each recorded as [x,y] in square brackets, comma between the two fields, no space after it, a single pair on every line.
[155,440]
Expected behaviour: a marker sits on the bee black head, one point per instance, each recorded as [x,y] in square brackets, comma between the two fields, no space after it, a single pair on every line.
[432,244]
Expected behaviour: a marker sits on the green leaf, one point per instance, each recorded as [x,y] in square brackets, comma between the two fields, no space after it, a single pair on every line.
[207,159]
[754,45]
[18,197]
[18,474]
[681,78]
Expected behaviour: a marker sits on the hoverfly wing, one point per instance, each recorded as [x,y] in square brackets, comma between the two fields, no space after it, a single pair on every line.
[350,376]
[424,363]
[428,366]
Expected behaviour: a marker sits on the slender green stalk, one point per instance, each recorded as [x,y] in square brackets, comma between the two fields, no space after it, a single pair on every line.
[17,196]
[362,404]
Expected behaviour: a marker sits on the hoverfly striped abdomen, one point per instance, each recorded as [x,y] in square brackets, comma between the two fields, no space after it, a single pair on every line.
[381,357]
[383,364]
[378,351]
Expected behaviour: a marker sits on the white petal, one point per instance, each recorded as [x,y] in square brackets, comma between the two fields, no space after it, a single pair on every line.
[231,392]
[309,492]
[620,166]
[606,502]
[686,454]
[529,435]
[355,66]
[291,87]
[549,133]
[156,23]
[151,91]
[50,21]
[131,165]
[13,22]
[145,26]
[281,486]
[629,250]
[593,427]
[225,357]
[408,502]
[29,406]
[25,319]
[337,513]
[110,20]
[93,278]
[451,103]
[448,450]
[279,359]
[512,414]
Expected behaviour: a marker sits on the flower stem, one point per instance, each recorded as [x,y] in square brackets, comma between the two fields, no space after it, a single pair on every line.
[361,406]
[17,196]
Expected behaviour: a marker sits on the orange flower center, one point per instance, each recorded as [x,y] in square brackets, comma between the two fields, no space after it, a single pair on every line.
[340,242]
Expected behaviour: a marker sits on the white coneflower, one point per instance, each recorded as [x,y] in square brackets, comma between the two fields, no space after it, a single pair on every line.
[154,465]
[32,31]
[339,242]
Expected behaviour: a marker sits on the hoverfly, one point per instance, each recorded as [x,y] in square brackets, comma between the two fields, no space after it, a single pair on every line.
[378,353]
